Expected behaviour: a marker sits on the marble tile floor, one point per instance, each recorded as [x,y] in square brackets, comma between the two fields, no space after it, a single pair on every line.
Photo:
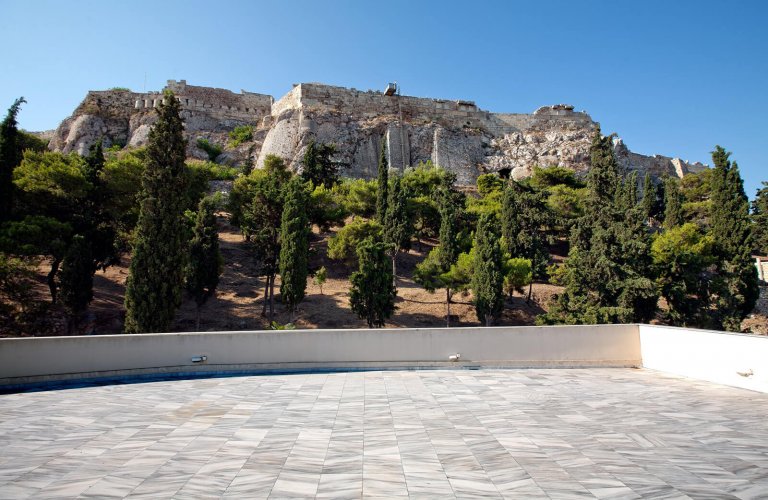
[559,434]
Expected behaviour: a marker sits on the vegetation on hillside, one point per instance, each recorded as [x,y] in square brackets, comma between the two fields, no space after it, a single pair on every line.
[629,242]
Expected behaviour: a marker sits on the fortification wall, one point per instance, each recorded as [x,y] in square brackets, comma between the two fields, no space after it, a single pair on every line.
[246,106]
[108,103]
[451,113]
[656,165]
[455,134]
[291,100]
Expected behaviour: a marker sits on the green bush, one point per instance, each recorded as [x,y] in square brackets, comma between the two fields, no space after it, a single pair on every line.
[214,171]
[213,150]
[240,134]
[344,244]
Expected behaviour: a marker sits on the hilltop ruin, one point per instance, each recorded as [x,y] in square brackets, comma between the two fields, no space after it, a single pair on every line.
[454,134]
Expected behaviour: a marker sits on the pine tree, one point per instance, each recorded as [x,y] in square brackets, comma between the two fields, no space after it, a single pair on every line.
[488,278]
[397,225]
[372,296]
[294,248]
[382,194]
[681,256]
[673,203]
[321,275]
[155,280]
[760,220]
[736,286]
[204,266]
[77,278]
[10,157]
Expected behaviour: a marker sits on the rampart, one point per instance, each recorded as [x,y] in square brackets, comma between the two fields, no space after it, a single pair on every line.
[248,106]
[317,97]
[456,134]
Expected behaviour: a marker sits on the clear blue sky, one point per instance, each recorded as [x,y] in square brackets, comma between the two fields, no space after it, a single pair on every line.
[670,77]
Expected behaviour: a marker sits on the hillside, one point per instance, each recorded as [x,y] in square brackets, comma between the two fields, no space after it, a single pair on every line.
[455,134]
[238,301]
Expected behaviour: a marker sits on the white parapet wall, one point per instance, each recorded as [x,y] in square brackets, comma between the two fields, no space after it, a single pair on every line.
[725,358]
[34,360]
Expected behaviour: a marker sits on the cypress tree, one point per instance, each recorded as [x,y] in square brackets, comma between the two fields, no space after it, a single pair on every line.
[649,196]
[94,163]
[294,248]
[511,219]
[450,208]
[77,277]
[382,194]
[10,157]
[434,271]
[204,265]
[607,274]
[488,279]
[604,177]
[736,286]
[653,199]
[524,214]
[673,203]
[319,166]
[760,220]
[262,217]
[372,295]
[397,226]
[153,287]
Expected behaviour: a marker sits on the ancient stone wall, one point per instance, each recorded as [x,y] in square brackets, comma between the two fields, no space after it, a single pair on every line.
[454,134]
[246,106]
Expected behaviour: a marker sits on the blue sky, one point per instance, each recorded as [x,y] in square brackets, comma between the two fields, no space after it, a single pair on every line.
[670,77]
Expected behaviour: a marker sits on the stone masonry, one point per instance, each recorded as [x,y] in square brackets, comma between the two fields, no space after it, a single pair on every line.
[456,135]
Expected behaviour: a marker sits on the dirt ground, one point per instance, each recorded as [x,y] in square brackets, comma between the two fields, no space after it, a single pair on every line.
[239,298]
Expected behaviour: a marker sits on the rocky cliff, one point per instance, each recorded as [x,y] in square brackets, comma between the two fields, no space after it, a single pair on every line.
[457,135]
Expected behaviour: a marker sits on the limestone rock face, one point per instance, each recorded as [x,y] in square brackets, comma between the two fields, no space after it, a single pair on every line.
[456,135]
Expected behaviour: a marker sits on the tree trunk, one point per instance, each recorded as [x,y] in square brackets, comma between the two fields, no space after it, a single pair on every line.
[488,319]
[197,318]
[530,291]
[447,307]
[266,297]
[394,269]
[272,298]
[52,279]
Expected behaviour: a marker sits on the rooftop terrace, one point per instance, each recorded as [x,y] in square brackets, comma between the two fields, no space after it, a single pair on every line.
[440,429]
[537,433]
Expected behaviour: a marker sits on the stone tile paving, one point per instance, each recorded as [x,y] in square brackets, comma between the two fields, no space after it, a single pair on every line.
[560,434]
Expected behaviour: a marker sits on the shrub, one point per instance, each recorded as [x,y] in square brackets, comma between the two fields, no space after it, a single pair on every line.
[344,244]
[240,134]
[213,150]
